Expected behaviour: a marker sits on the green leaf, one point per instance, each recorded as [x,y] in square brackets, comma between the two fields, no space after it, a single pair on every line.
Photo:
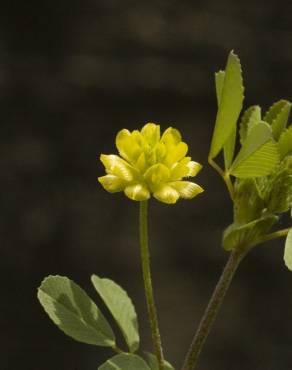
[285,142]
[125,361]
[260,163]
[251,116]
[279,187]
[219,82]
[229,148]
[230,104]
[277,116]
[237,235]
[153,363]
[259,154]
[288,251]
[248,204]
[74,312]
[121,307]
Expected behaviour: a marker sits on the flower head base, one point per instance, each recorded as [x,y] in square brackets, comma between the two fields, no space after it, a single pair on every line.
[150,164]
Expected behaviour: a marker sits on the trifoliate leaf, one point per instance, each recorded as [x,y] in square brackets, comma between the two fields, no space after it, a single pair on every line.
[230,104]
[236,235]
[153,363]
[258,155]
[277,116]
[125,361]
[121,307]
[70,308]
[251,116]
[285,142]
[288,250]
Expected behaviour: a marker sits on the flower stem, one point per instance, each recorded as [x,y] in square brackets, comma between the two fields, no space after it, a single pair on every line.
[212,310]
[145,258]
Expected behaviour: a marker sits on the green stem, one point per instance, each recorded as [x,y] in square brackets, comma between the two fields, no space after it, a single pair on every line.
[117,349]
[274,235]
[228,182]
[145,258]
[225,176]
[212,310]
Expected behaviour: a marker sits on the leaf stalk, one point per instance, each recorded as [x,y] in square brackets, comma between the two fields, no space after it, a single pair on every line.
[225,176]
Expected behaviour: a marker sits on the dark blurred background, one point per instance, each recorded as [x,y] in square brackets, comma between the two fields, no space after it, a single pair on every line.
[73,73]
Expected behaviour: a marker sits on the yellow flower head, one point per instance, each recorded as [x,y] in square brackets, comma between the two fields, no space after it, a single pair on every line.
[150,164]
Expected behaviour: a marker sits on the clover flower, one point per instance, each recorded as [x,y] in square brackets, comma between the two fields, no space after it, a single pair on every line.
[150,164]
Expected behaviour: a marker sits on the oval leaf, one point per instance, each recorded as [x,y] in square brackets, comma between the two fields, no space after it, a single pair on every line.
[259,154]
[285,142]
[288,251]
[125,361]
[260,163]
[230,104]
[277,116]
[121,307]
[251,116]
[70,308]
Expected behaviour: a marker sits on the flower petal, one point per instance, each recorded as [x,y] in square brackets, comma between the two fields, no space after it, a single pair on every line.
[141,163]
[166,194]
[186,189]
[151,133]
[194,168]
[128,145]
[112,183]
[180,151]
[115,165]
[171,136]
[139,138]
[160,151]
[180,169]
[175,153]
[137,192]
[155,175]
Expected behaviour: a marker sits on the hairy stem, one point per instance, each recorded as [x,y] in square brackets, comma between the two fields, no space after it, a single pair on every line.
[145,258]
[212,311]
